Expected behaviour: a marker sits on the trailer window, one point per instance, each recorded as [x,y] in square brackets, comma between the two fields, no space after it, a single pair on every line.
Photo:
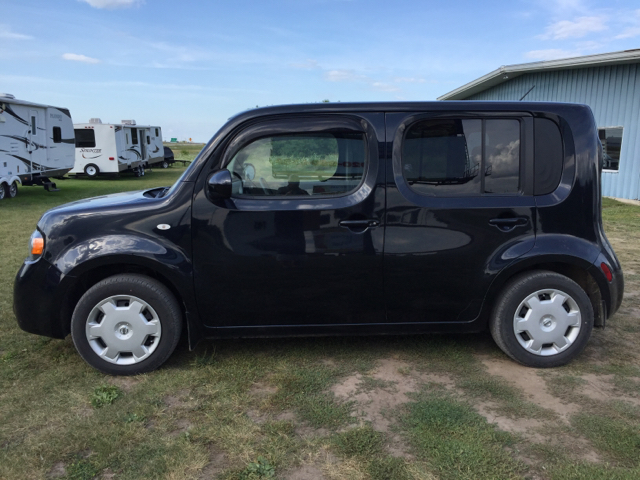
[134,136]
[85,138]
[57,135]
[157,133]
[33,125]
[148,140]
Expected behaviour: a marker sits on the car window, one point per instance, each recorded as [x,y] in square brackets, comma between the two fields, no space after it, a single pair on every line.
[301,165]
[448,157]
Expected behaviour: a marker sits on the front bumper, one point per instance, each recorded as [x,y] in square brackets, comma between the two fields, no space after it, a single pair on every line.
[38,296]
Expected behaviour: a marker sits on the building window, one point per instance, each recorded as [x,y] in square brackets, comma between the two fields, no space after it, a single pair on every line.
[611,139]
[57,135]
[462,157]
[85,138]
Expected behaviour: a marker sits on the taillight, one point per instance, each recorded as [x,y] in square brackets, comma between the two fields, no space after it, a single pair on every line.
[607,271]
[36,246]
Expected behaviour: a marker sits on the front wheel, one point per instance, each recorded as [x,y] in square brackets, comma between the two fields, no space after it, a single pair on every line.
[542,319]
[165,164]
[126,325]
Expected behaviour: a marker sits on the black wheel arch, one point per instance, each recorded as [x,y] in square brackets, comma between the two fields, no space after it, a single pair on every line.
[87,275]
[577,269]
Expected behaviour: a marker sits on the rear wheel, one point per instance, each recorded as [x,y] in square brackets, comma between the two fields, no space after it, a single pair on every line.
[91,170]
[3,190]
[542,319]
[165,164]
[126,325]
[12,190]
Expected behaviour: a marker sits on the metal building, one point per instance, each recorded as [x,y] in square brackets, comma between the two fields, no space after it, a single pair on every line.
[609,83]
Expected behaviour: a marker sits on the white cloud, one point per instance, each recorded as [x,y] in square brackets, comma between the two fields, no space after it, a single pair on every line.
[574,29]
[550,54]
[384,87]
[343,76]
[408,80]
[5,32]
[79,58]
[113,4]
[632,31]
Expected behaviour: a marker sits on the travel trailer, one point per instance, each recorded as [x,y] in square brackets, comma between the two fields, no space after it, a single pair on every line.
[36,142]
[106,148]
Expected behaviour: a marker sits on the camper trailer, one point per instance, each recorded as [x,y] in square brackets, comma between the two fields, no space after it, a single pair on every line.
[106,148]
[36,143]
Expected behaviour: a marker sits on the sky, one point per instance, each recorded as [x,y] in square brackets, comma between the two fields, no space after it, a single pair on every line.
[188,66]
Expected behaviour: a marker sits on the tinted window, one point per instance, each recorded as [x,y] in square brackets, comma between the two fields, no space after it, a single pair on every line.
[157,132]
[502,156]
[300,165]
[85,138]
[442,157]
[449,157]
[148,140]
[33,125]
[134,136]
[611,139]
[548,156]
[57,135]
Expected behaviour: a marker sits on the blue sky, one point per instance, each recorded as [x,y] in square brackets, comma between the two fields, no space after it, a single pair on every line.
[188,66]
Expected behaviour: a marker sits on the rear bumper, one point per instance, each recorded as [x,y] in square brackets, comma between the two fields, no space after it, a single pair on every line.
[38,294]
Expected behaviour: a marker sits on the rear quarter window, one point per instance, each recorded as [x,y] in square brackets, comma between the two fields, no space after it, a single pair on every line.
[549,156]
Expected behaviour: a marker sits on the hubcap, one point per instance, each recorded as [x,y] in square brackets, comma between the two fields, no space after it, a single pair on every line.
[123,329]
[547,322]
[91,171]
[13,190]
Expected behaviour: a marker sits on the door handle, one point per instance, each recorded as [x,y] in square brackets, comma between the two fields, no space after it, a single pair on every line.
[359,225]
[508,224]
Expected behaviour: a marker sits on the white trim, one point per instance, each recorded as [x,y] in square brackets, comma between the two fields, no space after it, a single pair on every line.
[508,72]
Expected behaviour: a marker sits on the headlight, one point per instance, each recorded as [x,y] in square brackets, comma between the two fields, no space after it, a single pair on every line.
[36,246]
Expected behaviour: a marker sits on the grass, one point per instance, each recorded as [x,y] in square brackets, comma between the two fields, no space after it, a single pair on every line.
[243,409]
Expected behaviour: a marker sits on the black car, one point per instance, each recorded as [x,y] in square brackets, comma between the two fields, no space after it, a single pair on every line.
[168,157]
[342,219]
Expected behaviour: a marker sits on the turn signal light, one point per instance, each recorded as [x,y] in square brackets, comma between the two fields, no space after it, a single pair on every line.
[111,158]
[37,246]
[607,271]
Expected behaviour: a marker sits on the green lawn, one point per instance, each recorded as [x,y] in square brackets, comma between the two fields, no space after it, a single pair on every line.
[360,408]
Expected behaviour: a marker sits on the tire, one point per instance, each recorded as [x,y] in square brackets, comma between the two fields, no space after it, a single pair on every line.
[3,190]
[91,170]
[542,319]
[165,164]
[126,325]
[11,190]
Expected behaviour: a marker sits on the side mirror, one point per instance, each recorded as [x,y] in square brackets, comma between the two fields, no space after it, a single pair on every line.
[219,184]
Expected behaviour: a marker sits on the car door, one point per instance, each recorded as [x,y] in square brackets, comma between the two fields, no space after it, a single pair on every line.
[459,209]
[300,241]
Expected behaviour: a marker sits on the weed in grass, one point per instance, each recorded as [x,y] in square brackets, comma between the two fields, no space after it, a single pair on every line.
[81,469]
[257,470]
[456,441]
[134,417]
[620,439]
[363,442]
[105,395]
